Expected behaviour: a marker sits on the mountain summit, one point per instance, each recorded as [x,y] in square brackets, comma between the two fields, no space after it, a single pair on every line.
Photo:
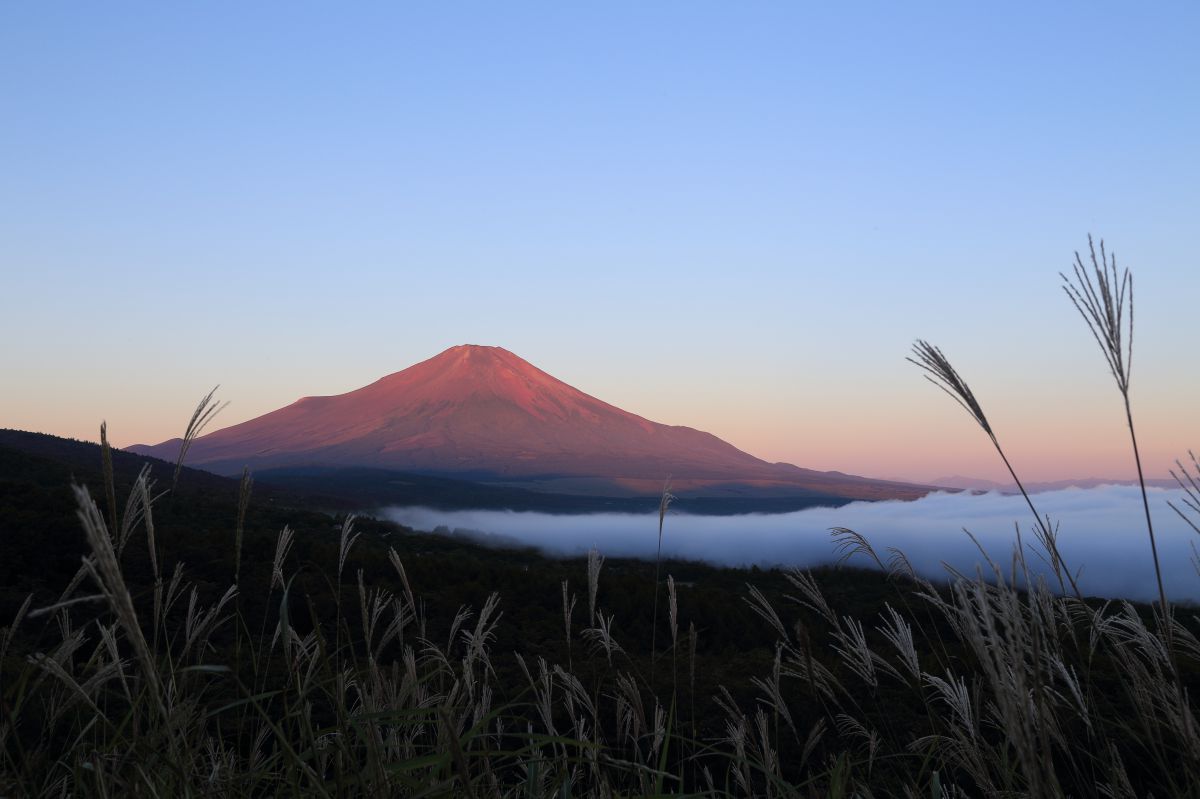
[484,413]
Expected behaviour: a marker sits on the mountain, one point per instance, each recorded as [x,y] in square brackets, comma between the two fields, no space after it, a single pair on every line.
[485,414]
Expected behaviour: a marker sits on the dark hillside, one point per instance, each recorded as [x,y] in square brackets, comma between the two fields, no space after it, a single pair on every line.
[763,646]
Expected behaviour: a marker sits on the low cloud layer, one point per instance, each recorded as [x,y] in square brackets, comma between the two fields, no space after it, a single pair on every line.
[1102,529]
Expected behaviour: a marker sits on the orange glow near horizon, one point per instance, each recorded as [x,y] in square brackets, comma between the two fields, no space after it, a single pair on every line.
[920,436]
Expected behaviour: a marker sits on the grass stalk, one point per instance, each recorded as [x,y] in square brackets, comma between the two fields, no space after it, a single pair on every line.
[663,504]
[942,374]
[110,485]
[1104,298]
[204,413]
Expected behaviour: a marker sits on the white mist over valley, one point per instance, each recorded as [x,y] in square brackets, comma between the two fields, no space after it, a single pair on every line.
[1101,529]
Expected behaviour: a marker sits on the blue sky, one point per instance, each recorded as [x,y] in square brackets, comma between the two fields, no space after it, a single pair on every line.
[735,217]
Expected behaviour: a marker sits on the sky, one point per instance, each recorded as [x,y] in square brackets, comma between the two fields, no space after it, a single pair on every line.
[1101,536]
[735,217]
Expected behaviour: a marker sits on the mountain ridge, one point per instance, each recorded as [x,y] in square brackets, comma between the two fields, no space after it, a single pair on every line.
[966,483]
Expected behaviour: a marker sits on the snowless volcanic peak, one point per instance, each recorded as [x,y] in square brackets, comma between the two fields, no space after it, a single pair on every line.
[469,373]
[486,412]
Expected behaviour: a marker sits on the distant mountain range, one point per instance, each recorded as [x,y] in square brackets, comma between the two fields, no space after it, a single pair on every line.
[483,414]
[980,484]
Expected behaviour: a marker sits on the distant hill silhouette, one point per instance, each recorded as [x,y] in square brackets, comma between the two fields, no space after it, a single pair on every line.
[52,463]
[980,484]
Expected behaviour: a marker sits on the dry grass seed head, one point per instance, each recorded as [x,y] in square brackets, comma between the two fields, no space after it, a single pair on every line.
[1104,299]
[942,374]
[898,564]
[664,504]
[110,489]
[601,637]
[143,487]
[568,607]
[594,562]
[898,633]
[847,543]
[137,508]
[858,657]
[673,609]
[346,541]
[1190,483]
[106,572]
[282,544]
[773,688]
[204,413]
[810,594]
[762,606]
[477,640]
[244,489]
[398,565]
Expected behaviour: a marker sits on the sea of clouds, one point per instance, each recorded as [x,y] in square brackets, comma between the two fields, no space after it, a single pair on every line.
[1102,530]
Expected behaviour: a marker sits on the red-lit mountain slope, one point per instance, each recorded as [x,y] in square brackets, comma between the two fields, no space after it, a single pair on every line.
[486,413]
